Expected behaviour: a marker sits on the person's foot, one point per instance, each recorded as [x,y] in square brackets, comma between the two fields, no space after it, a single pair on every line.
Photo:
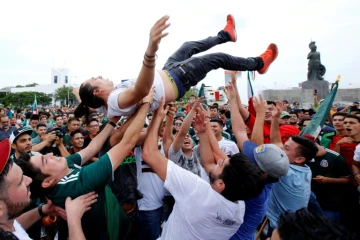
[268,57]
[230,27]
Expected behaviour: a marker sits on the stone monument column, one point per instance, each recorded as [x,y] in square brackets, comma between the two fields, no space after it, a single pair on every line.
[315,74]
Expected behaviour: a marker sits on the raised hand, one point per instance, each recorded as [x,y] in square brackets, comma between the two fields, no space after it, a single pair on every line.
[233,79]
[260,104]
[230,92]
[199,122]
[198,102]
[156,34]
[161,111]
[150,97]
[77,207]
[279,109]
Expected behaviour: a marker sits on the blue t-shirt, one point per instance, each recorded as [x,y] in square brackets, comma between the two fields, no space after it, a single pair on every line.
[255,208]
[291,193]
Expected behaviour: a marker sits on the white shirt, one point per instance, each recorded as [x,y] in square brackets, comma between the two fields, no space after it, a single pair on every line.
[19,232]
[113,107]
[199,211]
[149,184]
[228,147]
[357,153]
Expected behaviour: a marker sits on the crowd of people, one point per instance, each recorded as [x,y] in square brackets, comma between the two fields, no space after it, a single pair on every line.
[129,162]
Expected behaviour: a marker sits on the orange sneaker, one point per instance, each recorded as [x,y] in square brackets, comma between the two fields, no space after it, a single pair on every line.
[230,27]
[268,57]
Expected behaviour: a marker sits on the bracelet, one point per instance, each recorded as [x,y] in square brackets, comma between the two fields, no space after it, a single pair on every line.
[148,65]
[146,103]
[111,123]
[150,56]
[41,213]
[147,58]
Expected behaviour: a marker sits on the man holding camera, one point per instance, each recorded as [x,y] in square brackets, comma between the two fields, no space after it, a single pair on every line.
[50,141]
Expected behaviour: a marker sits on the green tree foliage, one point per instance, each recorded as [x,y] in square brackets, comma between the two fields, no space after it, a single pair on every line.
[31,85]
[61,94]
[187,95]
[23,99]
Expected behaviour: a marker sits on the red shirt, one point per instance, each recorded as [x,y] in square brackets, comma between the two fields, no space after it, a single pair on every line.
[346,150]
[286,131]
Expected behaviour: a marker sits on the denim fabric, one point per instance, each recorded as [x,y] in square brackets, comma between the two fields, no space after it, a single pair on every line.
[191,70]
[149,223]
[332,215]
[314,206]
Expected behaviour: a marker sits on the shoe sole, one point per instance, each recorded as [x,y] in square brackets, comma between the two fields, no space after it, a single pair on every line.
[277,53]
[233,20]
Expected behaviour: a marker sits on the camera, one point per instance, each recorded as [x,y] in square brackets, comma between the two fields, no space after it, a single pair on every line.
[59,133]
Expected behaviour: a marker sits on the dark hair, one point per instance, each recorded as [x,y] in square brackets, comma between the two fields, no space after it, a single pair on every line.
[302,224]
[354,112]
[218,120]
[28,115]
[222,111]
[72,119]
[5,235]
[214,107]
[149,114]
[353,116]
[3,183]
[34,117]
[34,173]
[57,116]
[339,114]
[293,112]
[40,125]
[92,116]
[228,114]
[306,148]
[243,180]
[301,123]
[88,99]
[75,132]
[271,103]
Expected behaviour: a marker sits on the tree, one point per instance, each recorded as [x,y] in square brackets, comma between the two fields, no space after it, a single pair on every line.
[62,93]
[24,99]
[187,95]
[31,85]
[19,86]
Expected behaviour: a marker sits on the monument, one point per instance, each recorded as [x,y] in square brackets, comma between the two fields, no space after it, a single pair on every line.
[316,71]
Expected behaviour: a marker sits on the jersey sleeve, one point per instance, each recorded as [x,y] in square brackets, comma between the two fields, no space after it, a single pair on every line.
[74,160]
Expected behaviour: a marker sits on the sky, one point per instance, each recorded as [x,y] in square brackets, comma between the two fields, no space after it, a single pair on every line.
[109,38]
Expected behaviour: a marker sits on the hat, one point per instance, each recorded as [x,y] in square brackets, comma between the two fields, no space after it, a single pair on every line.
[51,129]
[5,151]
[18,132]
[272,160]
[284,114]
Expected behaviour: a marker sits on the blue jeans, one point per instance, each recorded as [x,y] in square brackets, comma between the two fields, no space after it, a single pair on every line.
[191,70]
[149,223]
[313,205]
[332,215]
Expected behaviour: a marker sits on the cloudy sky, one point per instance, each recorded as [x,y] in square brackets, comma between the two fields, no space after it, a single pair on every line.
[109,38]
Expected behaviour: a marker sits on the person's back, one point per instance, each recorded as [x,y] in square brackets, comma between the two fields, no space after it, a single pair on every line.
[199,211]
[291,193]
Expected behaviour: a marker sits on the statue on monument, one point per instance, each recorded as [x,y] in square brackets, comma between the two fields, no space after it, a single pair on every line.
[316,70]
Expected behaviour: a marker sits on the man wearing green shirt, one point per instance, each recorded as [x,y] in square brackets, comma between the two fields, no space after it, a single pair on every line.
[64,177]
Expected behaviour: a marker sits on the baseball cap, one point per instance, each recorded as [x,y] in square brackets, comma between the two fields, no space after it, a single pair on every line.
[5,153]
[18,132]
[284,114]
[271,160]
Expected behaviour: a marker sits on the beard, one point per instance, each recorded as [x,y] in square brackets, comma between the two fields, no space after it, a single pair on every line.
[15,209]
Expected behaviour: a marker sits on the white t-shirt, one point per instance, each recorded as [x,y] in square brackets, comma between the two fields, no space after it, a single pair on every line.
[228,147]
[357,153]
[149,184]
[113,107]
[19,232]
[199,211]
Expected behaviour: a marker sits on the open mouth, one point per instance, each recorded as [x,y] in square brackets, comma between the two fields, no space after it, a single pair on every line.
[187,142]
[348,129]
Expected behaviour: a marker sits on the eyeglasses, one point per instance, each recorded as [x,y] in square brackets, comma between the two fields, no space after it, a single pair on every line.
[93,126]
[178,124]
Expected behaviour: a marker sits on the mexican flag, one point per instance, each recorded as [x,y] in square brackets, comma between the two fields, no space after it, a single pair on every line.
[315,125]
[35,109]
[250,93]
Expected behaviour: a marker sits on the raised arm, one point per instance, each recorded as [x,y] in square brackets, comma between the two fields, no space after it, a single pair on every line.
[179,139]
[257,135]
[146,76]
[118,153]
[243,111]
[168,137]
[151,155]
[237,122]
[275,136]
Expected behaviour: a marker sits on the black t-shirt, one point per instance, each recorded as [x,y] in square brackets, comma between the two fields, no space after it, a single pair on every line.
[125,182]
[330,165]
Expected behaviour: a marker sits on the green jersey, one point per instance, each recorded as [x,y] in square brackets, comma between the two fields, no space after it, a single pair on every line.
[81,180]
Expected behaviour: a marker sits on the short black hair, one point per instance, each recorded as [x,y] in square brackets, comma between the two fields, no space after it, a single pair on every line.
[271,103]
[40,125]
[294,112]
[222,111]
[306,148]
[228,114]
[218,120]
[57,116]
[34,117]
[301,123]
[214,107]
[3,183]
[353,116]
[339,114]
[243,180]
[303,224]
[72,134]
